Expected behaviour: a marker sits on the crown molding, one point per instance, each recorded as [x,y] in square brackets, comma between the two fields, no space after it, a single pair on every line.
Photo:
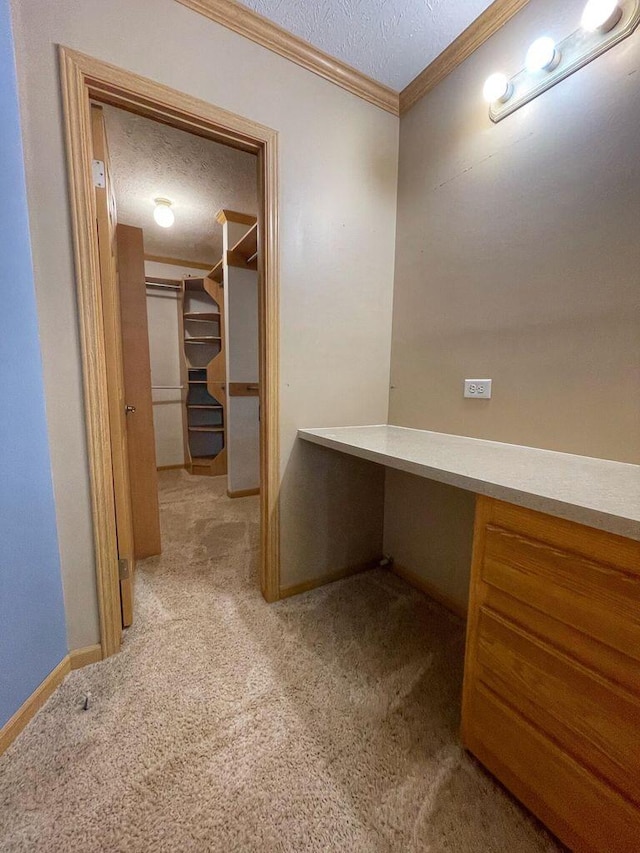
[259,29]
[476,34]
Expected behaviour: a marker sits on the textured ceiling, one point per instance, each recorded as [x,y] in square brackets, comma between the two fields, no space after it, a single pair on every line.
[390,40]
[150,160]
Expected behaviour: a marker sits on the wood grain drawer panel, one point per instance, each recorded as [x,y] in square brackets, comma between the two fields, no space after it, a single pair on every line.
[585,812]
[596,721]
[611,663]
[551,693]
[596,598]
[568,536]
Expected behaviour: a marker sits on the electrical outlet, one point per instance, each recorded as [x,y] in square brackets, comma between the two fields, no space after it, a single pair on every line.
[477,388]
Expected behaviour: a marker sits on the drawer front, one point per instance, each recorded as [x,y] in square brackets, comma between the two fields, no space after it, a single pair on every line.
[597,598]
[584,812]
[612,664]
[597,721]
[551,699]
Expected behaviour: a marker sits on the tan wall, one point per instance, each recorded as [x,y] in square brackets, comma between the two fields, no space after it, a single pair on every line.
[338,203]
[428,529]
[517,258]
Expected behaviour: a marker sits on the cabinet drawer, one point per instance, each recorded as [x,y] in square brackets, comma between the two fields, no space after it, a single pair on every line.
[584,812]
[614,665]
[551,700]
[598,598]
[597,721]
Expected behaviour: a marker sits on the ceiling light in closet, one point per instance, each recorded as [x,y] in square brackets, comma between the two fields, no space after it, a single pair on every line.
[542,55]
[601,15]
[162,213]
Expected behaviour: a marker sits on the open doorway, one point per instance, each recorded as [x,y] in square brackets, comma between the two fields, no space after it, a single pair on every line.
[183,210]
[86,81]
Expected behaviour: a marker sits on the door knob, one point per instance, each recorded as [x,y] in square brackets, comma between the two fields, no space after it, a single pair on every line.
[129,410]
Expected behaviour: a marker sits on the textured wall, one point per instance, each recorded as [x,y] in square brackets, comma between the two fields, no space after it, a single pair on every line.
[32,623]
[338,158]
[517,255]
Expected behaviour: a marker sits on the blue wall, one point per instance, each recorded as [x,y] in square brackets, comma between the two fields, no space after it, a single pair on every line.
[32,624]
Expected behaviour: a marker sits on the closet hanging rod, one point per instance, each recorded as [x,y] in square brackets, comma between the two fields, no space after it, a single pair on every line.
[175,282]
[161,286]
[167,387]
[252,258]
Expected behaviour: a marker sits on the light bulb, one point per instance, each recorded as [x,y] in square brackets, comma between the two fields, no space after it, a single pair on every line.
[542,55]
[162,213]
[600,15]
[497,88]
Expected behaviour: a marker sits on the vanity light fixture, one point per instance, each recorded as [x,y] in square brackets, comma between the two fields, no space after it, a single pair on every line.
[603,24]
[601,15]
[162,212]
[542,55]
[497,88]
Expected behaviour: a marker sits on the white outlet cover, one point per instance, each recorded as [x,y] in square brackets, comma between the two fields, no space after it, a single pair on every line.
[477,389]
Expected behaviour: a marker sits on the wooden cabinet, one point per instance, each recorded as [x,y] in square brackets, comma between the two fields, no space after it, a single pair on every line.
[551,701]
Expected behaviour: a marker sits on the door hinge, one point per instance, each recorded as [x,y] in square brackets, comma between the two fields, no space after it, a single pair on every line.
[123,570]
[99,177]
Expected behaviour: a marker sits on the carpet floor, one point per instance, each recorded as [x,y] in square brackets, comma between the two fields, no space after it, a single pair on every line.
[325,722]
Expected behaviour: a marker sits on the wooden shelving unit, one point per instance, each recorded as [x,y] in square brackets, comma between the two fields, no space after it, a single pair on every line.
[204,365]
[217,272]
[201,316]
[203,320]
[245,252]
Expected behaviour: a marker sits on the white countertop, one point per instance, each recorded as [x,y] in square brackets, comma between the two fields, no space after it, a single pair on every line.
[595,492]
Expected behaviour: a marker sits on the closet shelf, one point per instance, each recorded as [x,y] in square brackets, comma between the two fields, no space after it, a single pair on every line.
[245,250]
[197,381]
[206,429]
[202,406]
[202,316]
[201,339]
[243,254]
[217,272]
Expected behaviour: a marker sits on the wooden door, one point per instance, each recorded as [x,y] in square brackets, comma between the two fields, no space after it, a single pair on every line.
[106,227]
[143,473]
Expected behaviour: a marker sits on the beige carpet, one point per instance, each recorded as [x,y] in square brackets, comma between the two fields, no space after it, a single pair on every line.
[327,722]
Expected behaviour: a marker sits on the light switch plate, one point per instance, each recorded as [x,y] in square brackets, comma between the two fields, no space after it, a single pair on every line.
[479,389]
